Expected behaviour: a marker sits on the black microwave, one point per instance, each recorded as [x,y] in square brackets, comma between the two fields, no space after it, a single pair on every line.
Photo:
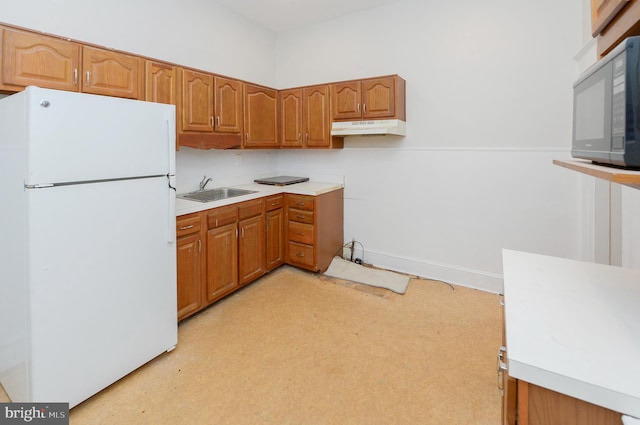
[606,108]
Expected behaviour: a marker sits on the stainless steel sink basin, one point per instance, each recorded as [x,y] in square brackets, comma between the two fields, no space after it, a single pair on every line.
[216,194]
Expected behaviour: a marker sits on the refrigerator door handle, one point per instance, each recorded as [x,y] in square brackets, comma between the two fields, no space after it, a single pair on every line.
[171,210]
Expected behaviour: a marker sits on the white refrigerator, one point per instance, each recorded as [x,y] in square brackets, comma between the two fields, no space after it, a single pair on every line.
[87,252]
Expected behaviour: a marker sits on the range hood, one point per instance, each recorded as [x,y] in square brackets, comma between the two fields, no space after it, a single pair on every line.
[369,128]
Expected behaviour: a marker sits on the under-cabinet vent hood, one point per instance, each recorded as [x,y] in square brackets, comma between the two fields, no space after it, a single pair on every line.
[369,128]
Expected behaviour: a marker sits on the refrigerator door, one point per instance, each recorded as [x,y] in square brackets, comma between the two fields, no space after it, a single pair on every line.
[74,137]
[102,284]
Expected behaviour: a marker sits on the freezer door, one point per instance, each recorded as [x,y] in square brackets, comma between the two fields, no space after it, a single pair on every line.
[103,284]
[78,137]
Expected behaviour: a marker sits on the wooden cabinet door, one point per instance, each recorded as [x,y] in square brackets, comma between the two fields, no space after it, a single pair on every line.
[378,98]
[111,73]
[275,238]
[189,274]
[346,100]
[197,101]
[228,105]
[190,264]
[316,118]
[603,12]
[160,83]
[251,249]
[260,117]
[291,118]
[33,59]
[222,261]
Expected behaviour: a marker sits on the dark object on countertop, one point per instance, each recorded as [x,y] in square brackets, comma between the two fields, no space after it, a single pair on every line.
[281,180]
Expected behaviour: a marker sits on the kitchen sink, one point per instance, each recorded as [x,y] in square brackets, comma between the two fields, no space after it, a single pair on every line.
[216,194]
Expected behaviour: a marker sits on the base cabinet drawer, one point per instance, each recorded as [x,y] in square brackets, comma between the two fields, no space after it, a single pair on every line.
[301,254]
[300,232]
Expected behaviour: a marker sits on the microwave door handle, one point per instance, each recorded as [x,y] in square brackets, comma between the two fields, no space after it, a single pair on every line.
[633,82]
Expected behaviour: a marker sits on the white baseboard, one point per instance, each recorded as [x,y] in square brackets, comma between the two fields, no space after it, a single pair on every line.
[455,275]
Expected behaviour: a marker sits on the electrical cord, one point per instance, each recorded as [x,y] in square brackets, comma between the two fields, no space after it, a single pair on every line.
[353,241]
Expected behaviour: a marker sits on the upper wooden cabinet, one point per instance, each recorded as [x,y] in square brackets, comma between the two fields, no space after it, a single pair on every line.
[228,105]
[161,82]
[316,120]
[602,12]
[112,73]
[197,102]
[305,118]
[613,21]
[290,118]
[210,111]
[33,59]
[373,98]
[260,117]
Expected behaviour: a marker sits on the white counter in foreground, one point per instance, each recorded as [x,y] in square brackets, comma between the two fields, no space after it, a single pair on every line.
[184,206]
[574,328]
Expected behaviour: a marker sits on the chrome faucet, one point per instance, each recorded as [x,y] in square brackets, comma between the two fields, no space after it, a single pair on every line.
[204,182]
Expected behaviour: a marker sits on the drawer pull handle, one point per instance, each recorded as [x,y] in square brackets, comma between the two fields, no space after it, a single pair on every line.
[502,367]
[275,203]
[187,227]
[300,233]
[301,203]
[299,254]
[301,217]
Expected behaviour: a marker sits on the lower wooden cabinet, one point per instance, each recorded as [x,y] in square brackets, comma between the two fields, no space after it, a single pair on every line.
[222,252]
[315,227]
[274,221]
[235,247]
[251,237]
[191,264]
[222,261]
[222,249]
[528,404]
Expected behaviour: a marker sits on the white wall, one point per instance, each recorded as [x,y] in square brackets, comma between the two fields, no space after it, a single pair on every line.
[489,106]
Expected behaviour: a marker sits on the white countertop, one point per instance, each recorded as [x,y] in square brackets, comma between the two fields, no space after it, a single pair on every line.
[313,188]
[574,327]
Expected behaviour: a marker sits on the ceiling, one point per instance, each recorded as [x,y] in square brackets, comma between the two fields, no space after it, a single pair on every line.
[283,15]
